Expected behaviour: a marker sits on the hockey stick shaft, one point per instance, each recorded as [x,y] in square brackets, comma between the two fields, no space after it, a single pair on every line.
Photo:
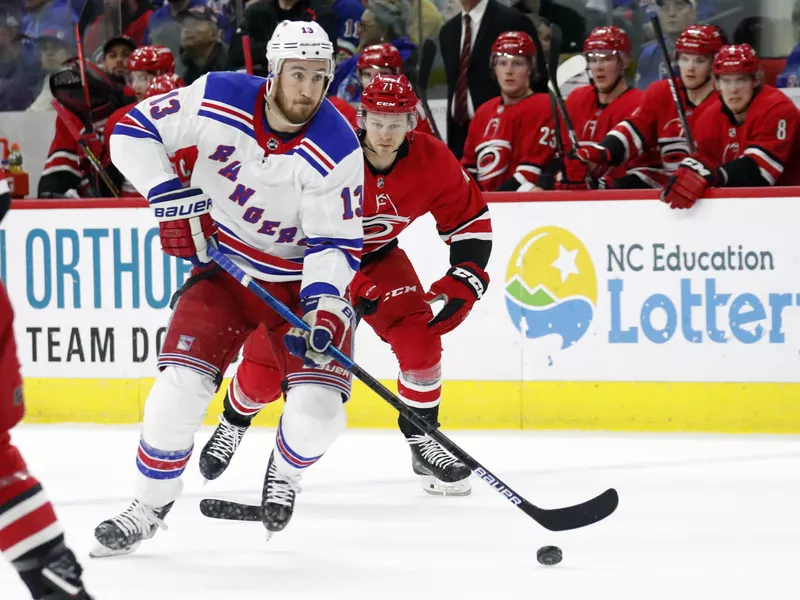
[246,47]
[552,69]
[425,67]
[672,86]
[71,121]
[561,519]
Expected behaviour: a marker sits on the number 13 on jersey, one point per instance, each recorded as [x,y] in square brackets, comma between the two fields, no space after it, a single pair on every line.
[347,199]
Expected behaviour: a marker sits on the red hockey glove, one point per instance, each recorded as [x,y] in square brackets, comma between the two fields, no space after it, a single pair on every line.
[96,146]
[463,285]
[573,177]
[184,223]
[688,183]
[597,158]
[329,317]
[364,294]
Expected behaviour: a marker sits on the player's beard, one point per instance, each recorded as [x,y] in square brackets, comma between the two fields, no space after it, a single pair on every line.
[297,112]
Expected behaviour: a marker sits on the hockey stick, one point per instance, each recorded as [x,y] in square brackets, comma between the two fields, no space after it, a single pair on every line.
[672,87]
[425,65]
[571,68]
[555,51]
[246,48]
[70,120]
[559,519]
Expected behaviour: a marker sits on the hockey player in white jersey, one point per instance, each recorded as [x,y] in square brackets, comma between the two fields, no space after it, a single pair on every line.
[275,163]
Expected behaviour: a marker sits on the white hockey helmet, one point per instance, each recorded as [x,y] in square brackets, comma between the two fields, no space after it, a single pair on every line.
[304,40]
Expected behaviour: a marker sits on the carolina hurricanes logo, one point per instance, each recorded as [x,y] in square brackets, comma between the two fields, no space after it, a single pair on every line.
[589,130]
[491,127]
[382,229]
[494,157]
[731,152]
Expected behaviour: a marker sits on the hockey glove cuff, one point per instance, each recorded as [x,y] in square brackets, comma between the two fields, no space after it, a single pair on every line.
[330,318]
[688,184]
[184,223]
[364,294]
[463,285]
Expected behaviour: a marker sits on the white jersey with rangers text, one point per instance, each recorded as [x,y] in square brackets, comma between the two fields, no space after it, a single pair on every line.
[287,207]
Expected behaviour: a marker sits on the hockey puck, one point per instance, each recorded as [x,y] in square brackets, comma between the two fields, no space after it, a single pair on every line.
[549,555]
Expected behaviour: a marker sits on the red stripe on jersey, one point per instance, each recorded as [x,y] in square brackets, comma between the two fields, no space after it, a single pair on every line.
[27,526]
[311,148]
[62,161]
[225,109]
[247,250]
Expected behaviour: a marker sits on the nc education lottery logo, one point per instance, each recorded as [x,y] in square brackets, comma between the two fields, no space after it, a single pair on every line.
[551,286]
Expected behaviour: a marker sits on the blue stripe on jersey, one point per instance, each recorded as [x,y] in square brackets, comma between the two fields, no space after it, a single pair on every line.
[147,123]
[311,160]
[318,288]
[227,121]
[331,132]
[170,185]
[134,132]
[235,89]
[345,243]
[352,261]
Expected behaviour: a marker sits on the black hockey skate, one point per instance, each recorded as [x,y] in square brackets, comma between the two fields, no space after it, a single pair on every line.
[123,534]
[277,499]
[444,474]
[61,575]
[220,448]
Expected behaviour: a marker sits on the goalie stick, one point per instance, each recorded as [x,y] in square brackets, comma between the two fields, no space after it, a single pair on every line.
[672,87]
[425,65]
[557,519]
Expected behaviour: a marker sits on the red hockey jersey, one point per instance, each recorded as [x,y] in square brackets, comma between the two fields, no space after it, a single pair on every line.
[425,178]
[510,142]
[593,121]
[768,135]
[182,161]
[656,124]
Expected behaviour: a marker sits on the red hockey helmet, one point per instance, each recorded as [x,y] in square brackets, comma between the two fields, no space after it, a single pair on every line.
[513,43]
[699,39]
[608,39]
[737,60]
[163,84]
[152,59]
[389,95]
[381,55]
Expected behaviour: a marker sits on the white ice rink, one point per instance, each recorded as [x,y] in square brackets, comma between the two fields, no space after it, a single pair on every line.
[700,517]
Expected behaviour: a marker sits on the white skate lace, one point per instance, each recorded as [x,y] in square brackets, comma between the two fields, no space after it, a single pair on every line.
[138,518]
[432,452]
[281,488]
[226,439]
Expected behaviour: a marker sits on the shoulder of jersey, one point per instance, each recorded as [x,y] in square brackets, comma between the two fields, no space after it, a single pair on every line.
[429,144]
[490,106]
[330,136]
[230,99]
[581,93]
[772,97]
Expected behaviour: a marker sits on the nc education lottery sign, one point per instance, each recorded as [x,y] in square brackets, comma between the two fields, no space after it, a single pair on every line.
[580,291]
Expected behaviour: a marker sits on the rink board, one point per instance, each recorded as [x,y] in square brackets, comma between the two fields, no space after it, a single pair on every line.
[605,311]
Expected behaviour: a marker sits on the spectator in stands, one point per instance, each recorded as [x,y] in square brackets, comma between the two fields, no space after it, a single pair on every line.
[675,15]
[55,46]
[790,76]
[567,16]
[348,27]
[41,14]
[20,77]
[466,44]
[164,27]
[431,21]
[261,17]
[131,15]
[116,53]
[201,48]
[383,21]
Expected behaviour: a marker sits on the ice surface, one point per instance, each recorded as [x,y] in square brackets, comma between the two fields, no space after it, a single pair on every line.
[700,517]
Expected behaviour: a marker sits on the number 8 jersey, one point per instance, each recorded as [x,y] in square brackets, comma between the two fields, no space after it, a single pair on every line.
[508,147]
[282,202]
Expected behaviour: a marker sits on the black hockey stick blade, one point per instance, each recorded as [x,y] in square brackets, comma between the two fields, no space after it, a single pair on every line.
[229,511]
[428,55]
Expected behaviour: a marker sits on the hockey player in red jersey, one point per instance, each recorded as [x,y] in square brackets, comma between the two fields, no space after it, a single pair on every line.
[510,139]
[31,538]
[596,108]
[748,137]
[655,123]
[407,175]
